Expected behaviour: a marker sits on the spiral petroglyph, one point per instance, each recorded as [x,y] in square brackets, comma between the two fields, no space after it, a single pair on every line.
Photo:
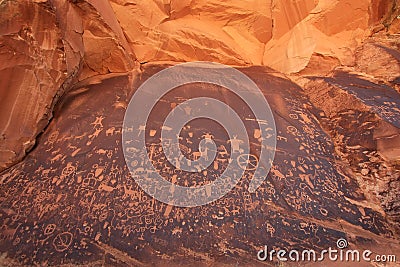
[342,243]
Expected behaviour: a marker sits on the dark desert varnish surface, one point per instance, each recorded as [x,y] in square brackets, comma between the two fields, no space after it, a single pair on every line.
[73,201]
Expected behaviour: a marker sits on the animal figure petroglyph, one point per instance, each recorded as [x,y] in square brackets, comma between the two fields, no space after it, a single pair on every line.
[235,143]
[128,192]
[95,134]
[101,151]
[72,147]
[57,158]
[110,131]
[98,123]
[270,229]
[107,188]
[80,137]
[280,138]
[208,137]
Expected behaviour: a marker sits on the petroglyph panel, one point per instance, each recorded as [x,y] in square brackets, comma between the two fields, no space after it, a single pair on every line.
[73,200]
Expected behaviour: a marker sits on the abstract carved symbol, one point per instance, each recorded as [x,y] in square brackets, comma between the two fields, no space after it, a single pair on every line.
[50,228]
[62,241]
[341,243]
[247,161]
[151,92]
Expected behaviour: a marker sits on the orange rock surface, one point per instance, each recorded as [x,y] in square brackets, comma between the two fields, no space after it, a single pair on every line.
[47,45]
[32,71]
[281,34]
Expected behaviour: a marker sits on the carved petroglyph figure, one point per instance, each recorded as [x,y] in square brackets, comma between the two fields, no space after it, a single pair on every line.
[98,123]
[208,137]
[110,131]
[235,143]
[62,241]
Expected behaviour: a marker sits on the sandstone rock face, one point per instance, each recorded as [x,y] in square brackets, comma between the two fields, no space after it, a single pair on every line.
[372,152]
[32,69]
[80,39]
[280,34]
[73,200]
[330,71]
[46,45]
[379,57]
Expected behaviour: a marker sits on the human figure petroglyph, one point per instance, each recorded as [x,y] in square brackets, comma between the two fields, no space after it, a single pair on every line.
[98,123]
[115,171]
[177,162]
[235,143]
[9,233]
[96,133]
